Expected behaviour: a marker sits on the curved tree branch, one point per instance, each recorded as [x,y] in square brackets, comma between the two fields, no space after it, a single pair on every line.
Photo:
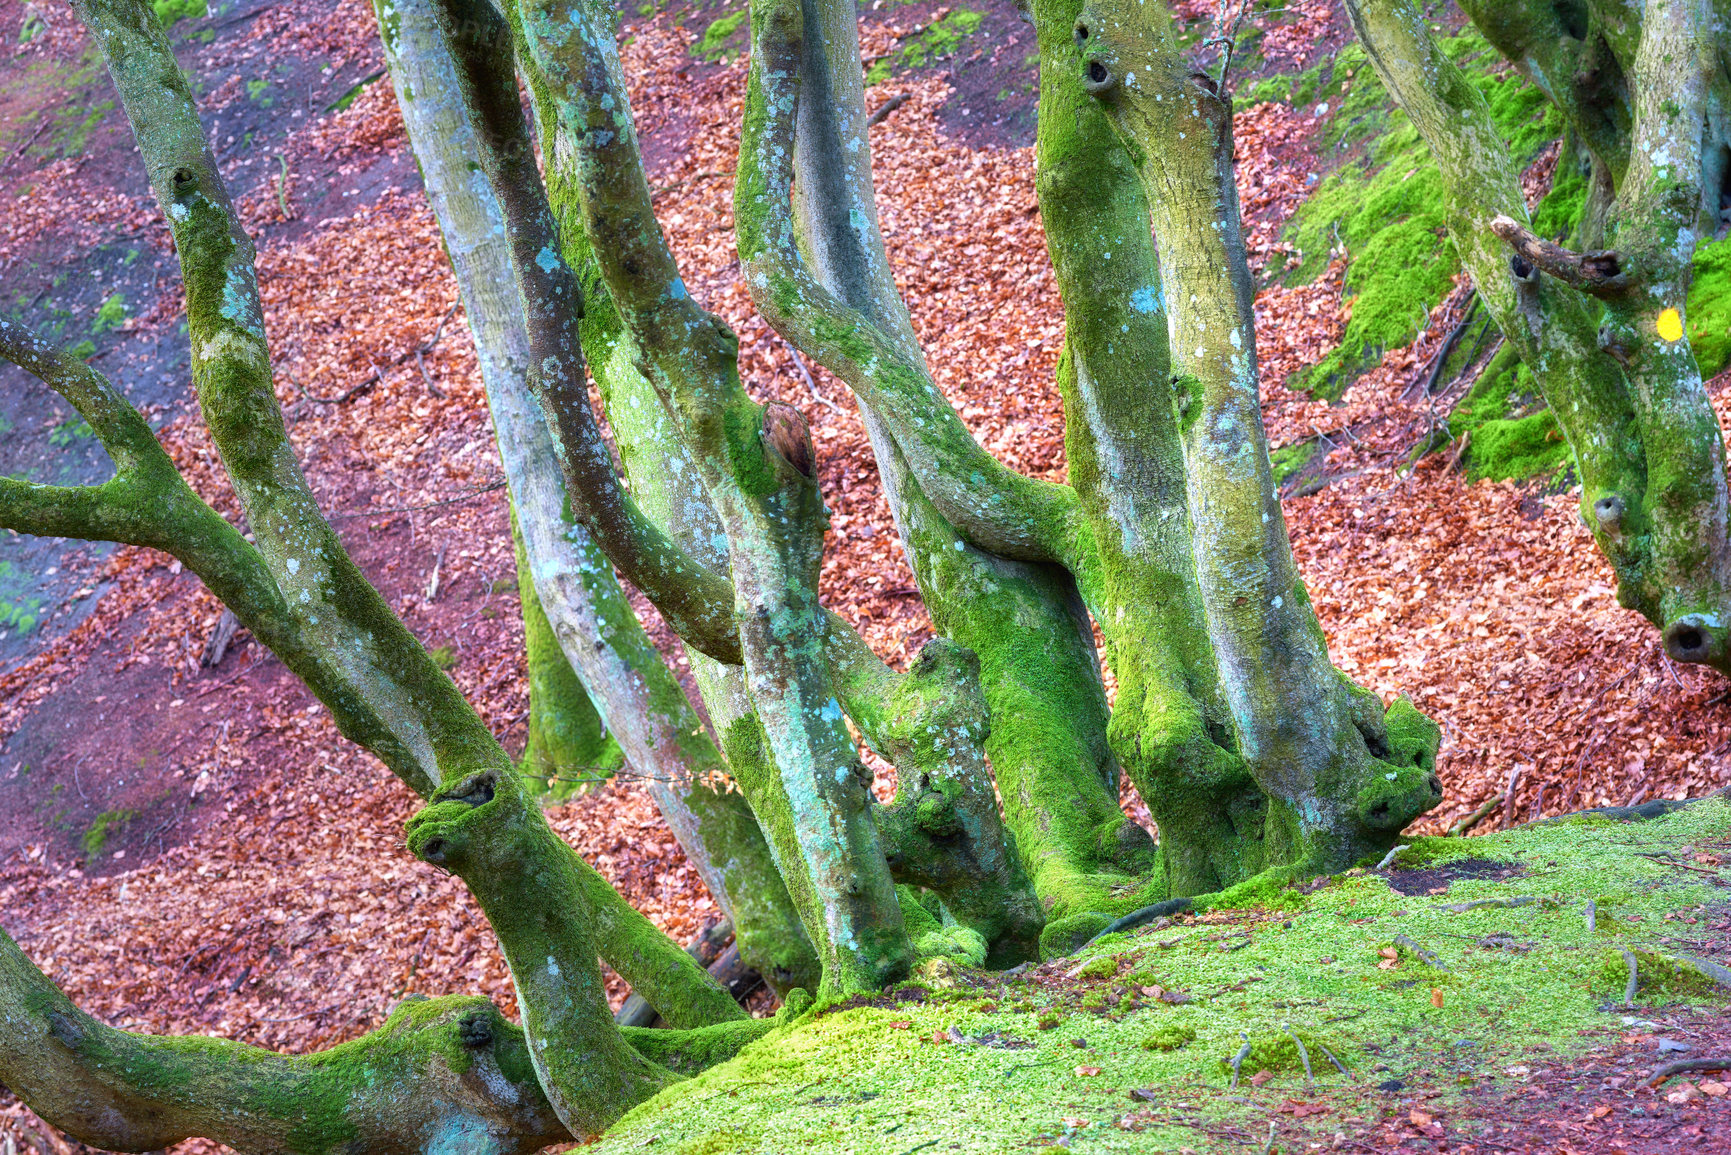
[810,793]
[996,508]
[1599,273]
[638,696]
[440,1073]
[148,503]
[696,600]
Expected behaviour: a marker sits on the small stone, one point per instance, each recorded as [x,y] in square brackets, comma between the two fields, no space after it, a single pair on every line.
[1673,1047]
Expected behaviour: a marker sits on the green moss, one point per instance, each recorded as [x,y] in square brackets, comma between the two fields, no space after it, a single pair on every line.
[940,40]
[1103,967]
[718,41]
[1511,450]
[1270,890]
[1660,976]
[108,822]
[1709,307]
[1513,437]
[1278,1052]
[443,657]
[172,11]
[1289,459]
[1387,208]
[111,316]
[820,1085]
[1169,1038]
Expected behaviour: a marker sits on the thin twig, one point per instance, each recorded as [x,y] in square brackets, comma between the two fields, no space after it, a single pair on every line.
[1329,1055]
[21,149]
[240,673]
[349,394]
[1389,857]
[805,375]
[282,187]
[470,496]
[883,110]
[1303,1057]
[1509,797]
[1238,1060]
[1477,816]
[1453,338]
[1460,451]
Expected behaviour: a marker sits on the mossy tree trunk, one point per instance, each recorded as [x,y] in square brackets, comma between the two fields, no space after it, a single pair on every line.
[1646,94]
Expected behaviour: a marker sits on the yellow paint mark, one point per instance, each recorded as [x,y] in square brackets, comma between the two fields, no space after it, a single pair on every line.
[1671,325]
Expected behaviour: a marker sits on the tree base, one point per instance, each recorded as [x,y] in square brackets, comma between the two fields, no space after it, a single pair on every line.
[981,1062]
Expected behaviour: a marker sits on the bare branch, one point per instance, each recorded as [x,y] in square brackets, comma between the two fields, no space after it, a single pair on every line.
[1599,273]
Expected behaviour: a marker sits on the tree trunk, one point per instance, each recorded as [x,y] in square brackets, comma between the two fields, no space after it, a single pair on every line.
[1341,778]
[569,748]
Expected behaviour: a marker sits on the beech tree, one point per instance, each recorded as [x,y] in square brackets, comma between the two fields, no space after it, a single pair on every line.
[1599,318]
[1260,762]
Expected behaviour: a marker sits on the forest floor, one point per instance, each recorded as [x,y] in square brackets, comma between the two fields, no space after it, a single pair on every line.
[194,849]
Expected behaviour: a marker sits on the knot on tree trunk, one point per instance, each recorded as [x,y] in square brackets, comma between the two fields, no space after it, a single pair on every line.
[1696,638]
[786,432]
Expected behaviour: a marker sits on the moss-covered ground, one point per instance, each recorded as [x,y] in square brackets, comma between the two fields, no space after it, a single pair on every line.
[1126,1046]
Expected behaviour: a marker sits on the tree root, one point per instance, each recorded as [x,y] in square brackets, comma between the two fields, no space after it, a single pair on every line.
[1683,1067]
[1143,917]
[1303,1057]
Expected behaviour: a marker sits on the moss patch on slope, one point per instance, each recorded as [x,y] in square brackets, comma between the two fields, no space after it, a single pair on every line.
[990,1063]
[1385,204]
[1709,307]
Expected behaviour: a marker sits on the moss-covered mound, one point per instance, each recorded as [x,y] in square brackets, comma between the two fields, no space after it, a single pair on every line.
[1072,1050]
